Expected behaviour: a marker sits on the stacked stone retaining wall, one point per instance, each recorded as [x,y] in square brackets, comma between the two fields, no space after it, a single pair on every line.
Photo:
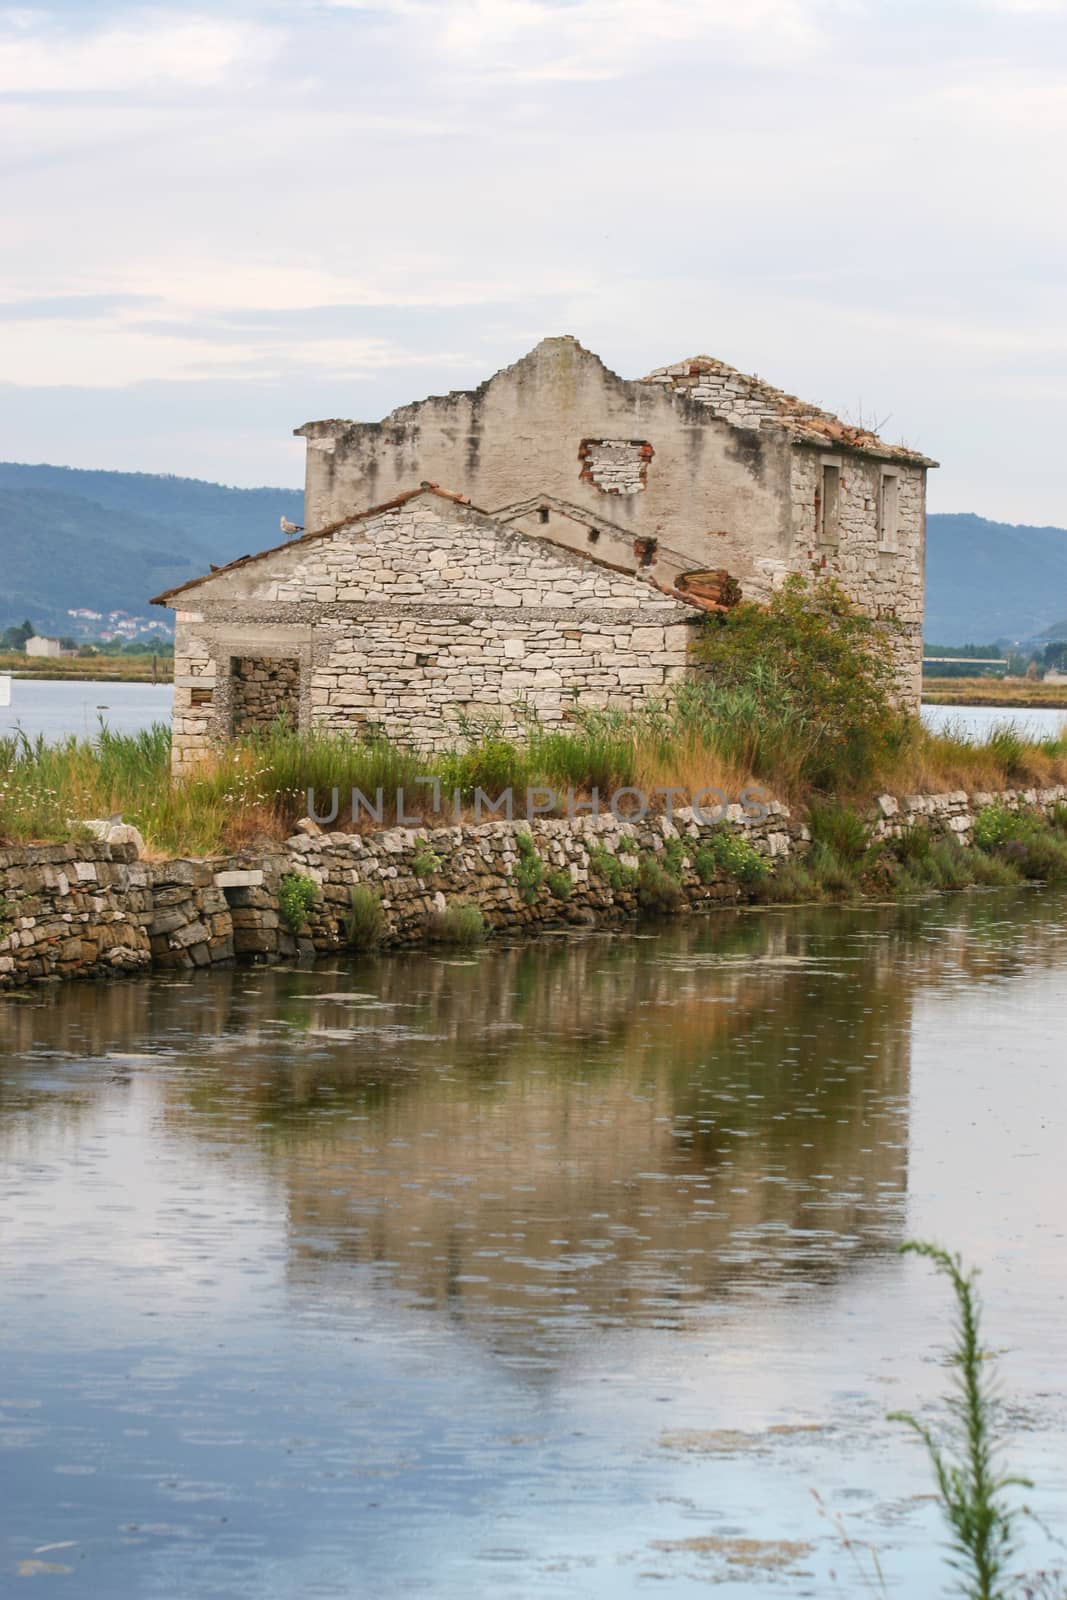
[93,909]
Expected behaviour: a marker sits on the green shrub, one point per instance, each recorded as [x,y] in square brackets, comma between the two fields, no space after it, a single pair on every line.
[841,829]
[365,921]
[462,925]
[836,879]
[803,687]
[658,890]
[792,884]
[530,872]
[913,847]
[296,896]
[992,872]
[674,858]
[1057,817]
[950,865]
[995,825]
[489,760]
[731,854]
[615,873]
[560,883]
[1038,853]
[424,863]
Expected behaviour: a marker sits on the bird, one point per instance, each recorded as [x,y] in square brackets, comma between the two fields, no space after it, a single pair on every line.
[289,528]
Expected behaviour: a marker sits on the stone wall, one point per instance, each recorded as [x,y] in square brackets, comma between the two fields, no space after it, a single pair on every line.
[94,910]
[264,689]
[885,580]
[411,620]
[73,911]
[722,498]
[91,909]
[714,465]
[955,812]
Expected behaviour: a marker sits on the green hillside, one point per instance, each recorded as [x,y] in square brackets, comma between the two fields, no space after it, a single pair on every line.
[993,580]
[110,540]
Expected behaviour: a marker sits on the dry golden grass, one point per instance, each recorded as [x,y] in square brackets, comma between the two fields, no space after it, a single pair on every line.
[103,669]
[1007,692]
[691,768]
[939,763]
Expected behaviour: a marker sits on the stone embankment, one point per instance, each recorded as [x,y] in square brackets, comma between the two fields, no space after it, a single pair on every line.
[96,908]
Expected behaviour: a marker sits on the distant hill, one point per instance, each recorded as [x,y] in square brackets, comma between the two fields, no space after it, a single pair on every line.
[108,541]
[993,580]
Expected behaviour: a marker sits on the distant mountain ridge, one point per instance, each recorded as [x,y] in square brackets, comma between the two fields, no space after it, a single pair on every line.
[993,580]
[108,541]
[72,537]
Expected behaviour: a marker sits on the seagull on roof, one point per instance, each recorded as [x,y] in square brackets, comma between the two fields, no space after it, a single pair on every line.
[289,528]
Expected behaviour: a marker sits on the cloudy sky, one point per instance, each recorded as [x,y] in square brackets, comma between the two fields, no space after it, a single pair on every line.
[218,224]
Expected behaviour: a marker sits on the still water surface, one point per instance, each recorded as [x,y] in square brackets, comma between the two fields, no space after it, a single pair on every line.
[57,709]
[548,1272]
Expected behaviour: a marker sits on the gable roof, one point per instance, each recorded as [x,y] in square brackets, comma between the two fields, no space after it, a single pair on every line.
[748,402]
[580,514]
[309,538]
[563,550]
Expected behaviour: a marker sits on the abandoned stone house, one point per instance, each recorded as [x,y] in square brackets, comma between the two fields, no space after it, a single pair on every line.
[616,512]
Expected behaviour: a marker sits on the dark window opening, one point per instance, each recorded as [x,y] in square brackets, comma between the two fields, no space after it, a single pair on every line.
[543,514]
[593,535]
[827,503]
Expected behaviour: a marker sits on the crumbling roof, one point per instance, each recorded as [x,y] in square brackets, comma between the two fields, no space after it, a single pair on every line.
[748,402]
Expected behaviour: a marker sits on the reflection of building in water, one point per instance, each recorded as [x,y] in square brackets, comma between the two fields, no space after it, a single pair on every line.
[567,1134]
[575,1132]
[635,1128]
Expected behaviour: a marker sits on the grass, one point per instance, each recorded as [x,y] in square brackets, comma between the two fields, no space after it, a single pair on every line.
[255,790]
[460,925]
[105,669]
[1006,692]
[364,923]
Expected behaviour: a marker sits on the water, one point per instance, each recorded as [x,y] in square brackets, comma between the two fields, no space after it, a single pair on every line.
[551,1271]
[977,722]
[57,709]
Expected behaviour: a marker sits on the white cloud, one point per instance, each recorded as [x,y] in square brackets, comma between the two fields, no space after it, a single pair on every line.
[1049,8]
[40,57]
[320,202]
[541,41]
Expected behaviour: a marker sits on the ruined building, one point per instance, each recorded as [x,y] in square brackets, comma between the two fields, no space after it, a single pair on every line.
[545,539]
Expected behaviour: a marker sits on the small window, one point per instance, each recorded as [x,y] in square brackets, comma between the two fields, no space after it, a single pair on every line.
[888,512]
[543,514]
[593,534]
[827,503]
